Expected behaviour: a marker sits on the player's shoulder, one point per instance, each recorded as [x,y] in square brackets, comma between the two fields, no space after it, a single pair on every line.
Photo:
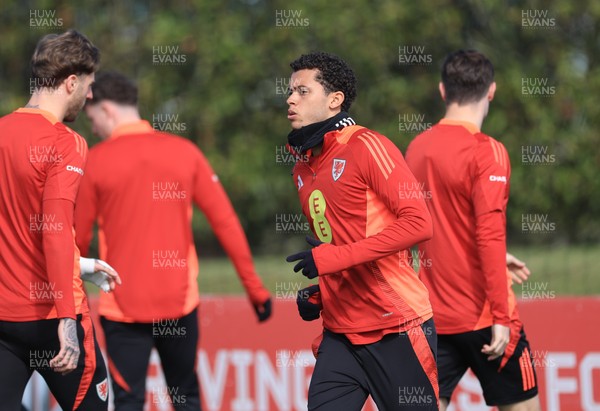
[363,139]
[66,139]
[38,123]
[371,147]
[426,137]
[153,139]
[483,138]
[486,143]
[488,149]
[184,146]
[176,140]
[67,132]
[7,118]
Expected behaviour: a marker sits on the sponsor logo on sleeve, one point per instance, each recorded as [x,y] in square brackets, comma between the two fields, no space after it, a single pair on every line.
[501,179]
[75,169]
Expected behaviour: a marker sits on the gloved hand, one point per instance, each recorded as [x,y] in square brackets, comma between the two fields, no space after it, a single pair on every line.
[263,311]
[100,273]
[307,262]
[309,303]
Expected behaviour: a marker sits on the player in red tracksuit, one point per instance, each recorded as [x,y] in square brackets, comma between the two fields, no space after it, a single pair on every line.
[353,186]
[41,165]
[465,175]
[140,186]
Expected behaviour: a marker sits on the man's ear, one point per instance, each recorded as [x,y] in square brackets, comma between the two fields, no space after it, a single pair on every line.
[491,91]
[336,99]
[107,107]
[442,90]
[71,83]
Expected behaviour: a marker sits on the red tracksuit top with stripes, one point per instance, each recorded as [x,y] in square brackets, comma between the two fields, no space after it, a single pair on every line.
[41,166]
[466,175]
[354,195]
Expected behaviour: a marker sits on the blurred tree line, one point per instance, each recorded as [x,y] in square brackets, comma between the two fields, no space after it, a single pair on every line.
[215,72]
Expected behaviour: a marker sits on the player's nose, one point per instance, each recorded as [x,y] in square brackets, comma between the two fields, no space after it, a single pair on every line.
[291,99]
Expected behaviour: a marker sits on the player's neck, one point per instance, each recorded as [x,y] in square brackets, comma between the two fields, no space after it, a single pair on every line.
[48,102]
[127,115]
[472,113]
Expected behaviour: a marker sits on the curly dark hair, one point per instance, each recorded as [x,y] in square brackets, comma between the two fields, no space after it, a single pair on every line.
[334,74]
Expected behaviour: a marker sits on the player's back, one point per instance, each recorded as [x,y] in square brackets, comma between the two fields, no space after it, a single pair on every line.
[142,185]
[32,146]
[143,181]
[449,162]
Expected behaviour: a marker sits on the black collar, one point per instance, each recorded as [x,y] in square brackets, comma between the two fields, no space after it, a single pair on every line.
[310,136]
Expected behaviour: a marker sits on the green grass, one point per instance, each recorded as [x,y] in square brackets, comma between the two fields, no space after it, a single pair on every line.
[572,270]
[217,275]
[565,270]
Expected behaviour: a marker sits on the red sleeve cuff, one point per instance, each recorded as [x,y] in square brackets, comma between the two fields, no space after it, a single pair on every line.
[325,264]
[259,296]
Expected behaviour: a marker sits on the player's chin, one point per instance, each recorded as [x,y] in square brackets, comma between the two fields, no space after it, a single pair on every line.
[296,124]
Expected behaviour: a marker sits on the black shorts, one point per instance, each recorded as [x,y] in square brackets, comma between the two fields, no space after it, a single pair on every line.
[506,380]
[398,371]
[29,346]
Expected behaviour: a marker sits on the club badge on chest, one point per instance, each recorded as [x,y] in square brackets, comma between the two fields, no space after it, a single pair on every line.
[338,168]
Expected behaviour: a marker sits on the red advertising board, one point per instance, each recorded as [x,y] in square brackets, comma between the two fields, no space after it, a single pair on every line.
[249,366]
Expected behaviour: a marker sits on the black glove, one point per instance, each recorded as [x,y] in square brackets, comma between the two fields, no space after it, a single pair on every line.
[263,311]
[308,310]
[307,262]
